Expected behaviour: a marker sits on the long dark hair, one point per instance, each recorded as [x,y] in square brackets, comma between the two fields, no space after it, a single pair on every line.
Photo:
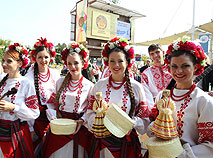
[36,71]
[128,83]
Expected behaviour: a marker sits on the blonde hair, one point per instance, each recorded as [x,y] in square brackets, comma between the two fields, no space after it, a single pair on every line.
[98,94]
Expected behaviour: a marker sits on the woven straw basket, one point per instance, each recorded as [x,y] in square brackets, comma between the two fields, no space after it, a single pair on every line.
[162,148]
[117,121]
[62,126]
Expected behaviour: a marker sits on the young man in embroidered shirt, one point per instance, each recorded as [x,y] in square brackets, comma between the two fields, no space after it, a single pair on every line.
[156,77]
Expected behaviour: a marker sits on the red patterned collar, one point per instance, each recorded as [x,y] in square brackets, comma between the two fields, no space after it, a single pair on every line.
[162,67]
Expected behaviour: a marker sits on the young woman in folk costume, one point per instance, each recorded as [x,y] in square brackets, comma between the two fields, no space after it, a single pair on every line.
[127,93]
[17,108]
[72,99]
[193,113]
[44,79]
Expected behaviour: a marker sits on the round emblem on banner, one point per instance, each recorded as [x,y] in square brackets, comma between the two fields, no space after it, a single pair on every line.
[101,22]
[81,21]
[204,39]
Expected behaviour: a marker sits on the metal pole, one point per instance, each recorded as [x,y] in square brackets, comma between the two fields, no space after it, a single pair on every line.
[193,22]
[211,49]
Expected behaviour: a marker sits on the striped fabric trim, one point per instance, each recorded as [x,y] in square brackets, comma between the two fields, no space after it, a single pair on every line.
[164,120]
[5,132]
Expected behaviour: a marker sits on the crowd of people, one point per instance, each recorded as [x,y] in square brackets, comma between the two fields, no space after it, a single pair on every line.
[33,95]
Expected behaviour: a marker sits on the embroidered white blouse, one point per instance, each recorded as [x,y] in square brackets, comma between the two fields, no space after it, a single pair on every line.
[25,100]
[46,89]
[74,101]
[121,98]
[194,121]
[154,79]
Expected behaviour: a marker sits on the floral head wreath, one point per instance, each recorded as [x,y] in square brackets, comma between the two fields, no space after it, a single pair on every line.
[44,43]
[187,45]
[120,43]
[77,48]
[22,53]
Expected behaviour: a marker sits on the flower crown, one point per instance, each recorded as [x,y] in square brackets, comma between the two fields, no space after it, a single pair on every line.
[121,43]
[78,48]
[44,43]
[22,52]
[187,45]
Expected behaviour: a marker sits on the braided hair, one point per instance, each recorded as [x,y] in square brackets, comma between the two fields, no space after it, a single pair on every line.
[36,71]
[36,79]
[131,93]
[128,83]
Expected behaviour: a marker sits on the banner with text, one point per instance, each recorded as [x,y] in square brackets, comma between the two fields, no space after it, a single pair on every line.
[123,30]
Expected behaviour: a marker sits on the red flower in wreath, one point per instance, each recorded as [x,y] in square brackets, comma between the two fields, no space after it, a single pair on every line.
[77,48]
[187,45]
[43,42]
[23,53]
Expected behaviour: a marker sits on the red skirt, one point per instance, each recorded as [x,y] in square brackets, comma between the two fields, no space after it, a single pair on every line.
[15,139]
[41,126]
[54,142]
[126,147]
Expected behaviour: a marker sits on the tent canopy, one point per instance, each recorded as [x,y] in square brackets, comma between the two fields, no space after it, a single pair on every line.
[208,27]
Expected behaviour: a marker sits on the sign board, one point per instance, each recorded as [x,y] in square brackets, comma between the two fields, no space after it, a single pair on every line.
[123,30]
[81,21]
[100,24]
[204,42]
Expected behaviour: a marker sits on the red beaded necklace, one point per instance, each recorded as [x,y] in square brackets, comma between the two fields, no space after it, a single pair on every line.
[76,86]
[111,80]
[45,77]
[181,97]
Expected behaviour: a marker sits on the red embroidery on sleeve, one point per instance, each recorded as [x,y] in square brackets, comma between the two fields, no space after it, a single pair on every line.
[142,110]
[32,102]
[205,130]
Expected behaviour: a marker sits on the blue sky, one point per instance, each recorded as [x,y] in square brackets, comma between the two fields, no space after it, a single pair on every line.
[27,20]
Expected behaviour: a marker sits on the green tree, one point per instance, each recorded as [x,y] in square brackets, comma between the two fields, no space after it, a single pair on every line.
[59,48]
[3,45]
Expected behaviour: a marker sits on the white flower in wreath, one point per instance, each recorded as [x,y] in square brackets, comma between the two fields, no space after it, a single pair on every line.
[18,48]
[111,45]
[126,48]
[77,50]
[176,46]
[52,48]
[81,46]
[106,59]
[23,56]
